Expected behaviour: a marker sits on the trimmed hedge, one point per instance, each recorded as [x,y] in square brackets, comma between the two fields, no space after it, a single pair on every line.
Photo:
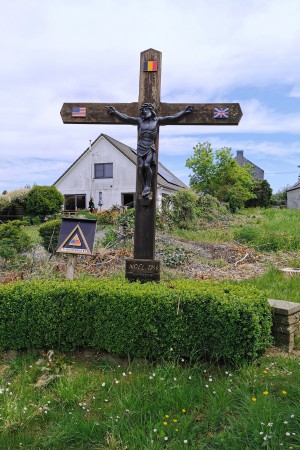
[195,320]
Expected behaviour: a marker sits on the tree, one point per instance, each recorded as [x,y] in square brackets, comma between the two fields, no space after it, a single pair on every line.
[219,175]
[44,200]
[263,193]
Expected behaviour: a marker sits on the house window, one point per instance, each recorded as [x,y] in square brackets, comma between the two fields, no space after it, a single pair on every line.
[128,200]
[74,202]
[104,170]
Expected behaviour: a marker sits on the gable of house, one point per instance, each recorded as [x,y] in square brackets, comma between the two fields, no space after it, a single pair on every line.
[257,172]
[106,172]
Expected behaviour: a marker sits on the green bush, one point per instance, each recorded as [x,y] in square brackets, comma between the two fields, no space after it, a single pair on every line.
[44,200]
[13,240]
[49,233]
[179,319]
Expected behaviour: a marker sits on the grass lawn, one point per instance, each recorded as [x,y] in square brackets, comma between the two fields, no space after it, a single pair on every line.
[99,402]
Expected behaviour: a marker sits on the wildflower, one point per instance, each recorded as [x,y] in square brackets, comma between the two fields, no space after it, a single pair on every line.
[183,411]
[150,378]
[165,423]
[284,392]
[176,429]
[175,379]
[185,441]
[206,385]
[166,438]
[124,374]
[117,381]
[270,424]
[287,433]
[155,430]
[265,393]
[292,416]
[167,417]
[285,422]
[190,377]
[253,399]
[175,420]
[103,384]
[229,390]
[265,372]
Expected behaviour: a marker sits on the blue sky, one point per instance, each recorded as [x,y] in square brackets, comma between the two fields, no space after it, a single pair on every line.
[57,51]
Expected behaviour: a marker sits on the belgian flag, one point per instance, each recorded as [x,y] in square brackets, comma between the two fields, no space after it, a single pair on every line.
[150,66]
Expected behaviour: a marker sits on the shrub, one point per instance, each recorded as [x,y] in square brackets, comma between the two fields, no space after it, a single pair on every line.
[13,240]
[49,233]
[195,320]
[184,211]
[44,200]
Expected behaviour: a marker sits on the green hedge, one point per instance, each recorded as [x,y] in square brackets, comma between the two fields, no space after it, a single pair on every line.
[194,319]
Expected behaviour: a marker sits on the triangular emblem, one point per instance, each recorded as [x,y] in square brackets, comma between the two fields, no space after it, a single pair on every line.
[75,242]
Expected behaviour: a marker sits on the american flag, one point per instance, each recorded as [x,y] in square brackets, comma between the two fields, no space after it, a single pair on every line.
[221,113]
[78,111]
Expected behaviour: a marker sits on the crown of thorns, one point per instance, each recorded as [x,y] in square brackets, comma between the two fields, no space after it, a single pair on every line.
[148,106]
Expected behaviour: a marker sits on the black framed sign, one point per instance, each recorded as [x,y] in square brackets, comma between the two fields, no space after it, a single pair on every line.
[77,236]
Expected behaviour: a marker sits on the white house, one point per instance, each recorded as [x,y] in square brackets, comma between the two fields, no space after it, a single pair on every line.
[293,196]
[106,171]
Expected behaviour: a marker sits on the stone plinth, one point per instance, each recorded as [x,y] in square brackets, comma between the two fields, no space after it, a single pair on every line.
[286,323]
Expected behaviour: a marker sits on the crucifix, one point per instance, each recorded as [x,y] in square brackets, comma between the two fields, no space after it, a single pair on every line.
[148,114]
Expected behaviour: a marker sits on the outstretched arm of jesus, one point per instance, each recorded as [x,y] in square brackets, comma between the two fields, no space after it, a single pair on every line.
[113,111]
[166,120]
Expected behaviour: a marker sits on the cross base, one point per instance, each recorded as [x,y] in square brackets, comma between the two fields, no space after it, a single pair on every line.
[142,270]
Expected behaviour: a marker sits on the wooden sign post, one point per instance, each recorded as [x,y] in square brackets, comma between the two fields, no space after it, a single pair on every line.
[143,267]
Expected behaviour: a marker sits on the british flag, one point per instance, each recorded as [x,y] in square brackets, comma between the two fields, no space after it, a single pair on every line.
[221,113]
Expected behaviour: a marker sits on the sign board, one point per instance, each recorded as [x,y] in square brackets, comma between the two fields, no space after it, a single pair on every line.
[76,236]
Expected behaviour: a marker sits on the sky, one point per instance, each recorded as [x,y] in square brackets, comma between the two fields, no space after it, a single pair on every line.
[56,51]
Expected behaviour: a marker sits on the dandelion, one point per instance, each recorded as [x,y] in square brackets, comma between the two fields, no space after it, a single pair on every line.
[265,372]
[283,392]
[165,423]
[175,420]
[265,393]
[176,429]
[166,438]
[183,410]
[167,417]
[253,399]
[185,441]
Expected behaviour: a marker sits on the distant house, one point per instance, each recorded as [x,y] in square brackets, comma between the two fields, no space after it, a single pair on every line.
[106,171]
[293,196]
[257,172]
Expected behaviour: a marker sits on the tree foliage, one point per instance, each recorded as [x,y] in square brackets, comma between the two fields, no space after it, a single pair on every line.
[44,200]
[218,174]
[263,193]
[13,240]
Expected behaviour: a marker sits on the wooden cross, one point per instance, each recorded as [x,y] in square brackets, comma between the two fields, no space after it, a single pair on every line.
[143,267]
